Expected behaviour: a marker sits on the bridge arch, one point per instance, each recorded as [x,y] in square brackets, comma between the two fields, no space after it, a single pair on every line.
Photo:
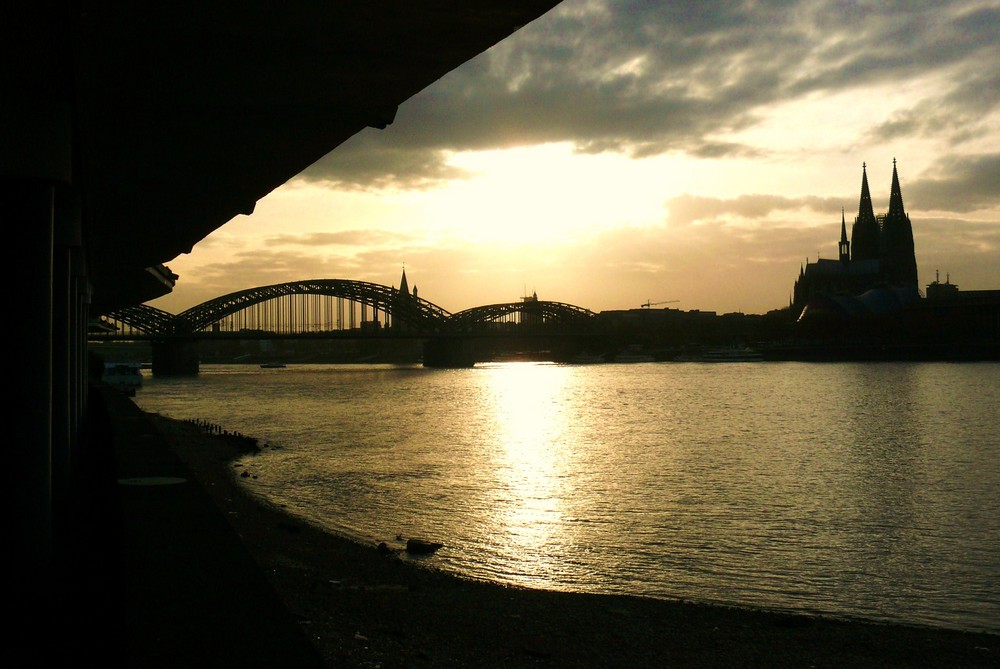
[450,339]
[527,313]
[140,318]
[404,308]
[406,311]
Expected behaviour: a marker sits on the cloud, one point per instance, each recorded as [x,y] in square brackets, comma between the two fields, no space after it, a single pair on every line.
[703,80]
[861,44]
[244,269]
[962,115]
[360,238]
[367,162]
[644,78]
[684,210]
[957,184]
[711,266]
[964,251]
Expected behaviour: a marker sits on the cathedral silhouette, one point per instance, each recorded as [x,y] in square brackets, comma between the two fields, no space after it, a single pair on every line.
[880,253]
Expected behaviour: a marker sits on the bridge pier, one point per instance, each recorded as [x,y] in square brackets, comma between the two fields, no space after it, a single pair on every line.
[175,357]
[450,352]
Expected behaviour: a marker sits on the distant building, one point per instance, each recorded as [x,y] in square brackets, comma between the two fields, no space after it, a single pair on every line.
[403,302]
[880,253]
[530,312]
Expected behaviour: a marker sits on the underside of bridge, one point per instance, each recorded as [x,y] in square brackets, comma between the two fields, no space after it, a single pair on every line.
[133,130]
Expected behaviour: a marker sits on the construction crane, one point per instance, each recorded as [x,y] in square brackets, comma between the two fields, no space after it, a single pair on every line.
[647,304]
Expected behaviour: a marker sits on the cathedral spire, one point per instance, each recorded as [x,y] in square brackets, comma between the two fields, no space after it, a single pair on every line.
[865,209]
[899,258]
[865,232]
[895,195]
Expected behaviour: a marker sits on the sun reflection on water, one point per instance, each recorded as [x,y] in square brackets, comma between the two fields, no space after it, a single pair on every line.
[863,490]
[532,462]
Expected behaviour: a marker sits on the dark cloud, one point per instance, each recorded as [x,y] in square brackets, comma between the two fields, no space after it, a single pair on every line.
[368,161]
[645,78]
[715,149]
[962,115]
[957,183]
[860,44]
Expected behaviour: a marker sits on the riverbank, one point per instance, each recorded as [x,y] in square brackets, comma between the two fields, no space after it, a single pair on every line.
[363,607]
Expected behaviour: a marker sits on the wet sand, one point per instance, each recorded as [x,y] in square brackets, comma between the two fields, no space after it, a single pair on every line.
[363,607]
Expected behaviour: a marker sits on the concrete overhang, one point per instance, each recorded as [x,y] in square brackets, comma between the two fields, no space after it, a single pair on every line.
[183,115]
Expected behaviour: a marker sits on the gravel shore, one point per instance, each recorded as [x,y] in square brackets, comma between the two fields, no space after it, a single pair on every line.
[364,607]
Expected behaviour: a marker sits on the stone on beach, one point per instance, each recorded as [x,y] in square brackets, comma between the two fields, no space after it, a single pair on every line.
[421,547]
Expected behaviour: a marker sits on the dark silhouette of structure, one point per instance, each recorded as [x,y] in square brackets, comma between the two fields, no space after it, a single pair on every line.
[880,252]
[866,304]
[131,132]
[345,310]
[403,303]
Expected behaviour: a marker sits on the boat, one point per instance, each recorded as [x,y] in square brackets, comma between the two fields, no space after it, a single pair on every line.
[272,365]
[125,376]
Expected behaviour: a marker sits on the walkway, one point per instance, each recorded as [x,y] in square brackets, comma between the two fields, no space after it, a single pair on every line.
[160,578]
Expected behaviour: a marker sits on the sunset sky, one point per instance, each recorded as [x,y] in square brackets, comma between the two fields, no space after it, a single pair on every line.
[611,153]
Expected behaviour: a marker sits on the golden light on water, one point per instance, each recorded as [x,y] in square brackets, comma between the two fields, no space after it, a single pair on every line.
[531,458]
[834,489]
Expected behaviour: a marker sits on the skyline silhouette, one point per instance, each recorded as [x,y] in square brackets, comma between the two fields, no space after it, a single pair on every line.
[664,156]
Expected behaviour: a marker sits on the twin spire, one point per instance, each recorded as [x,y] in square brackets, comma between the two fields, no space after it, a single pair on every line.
[880,251]
[865,233]
[895,195]
[865,210]
[887,239]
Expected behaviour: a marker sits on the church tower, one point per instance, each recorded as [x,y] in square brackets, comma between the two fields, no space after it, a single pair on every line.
[865,232]
[844,246]
[402,304]
[404,287]
[880,251]
[899,256]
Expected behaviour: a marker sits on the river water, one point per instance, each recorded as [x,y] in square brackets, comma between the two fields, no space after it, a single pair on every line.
[857,490]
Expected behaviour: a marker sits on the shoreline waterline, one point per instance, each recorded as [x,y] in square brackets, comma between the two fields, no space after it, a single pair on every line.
[362,607]
[576,480]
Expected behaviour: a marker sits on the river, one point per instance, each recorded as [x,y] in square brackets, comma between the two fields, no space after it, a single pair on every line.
[851,490]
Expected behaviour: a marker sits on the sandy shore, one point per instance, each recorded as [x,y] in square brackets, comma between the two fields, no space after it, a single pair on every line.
[366,608]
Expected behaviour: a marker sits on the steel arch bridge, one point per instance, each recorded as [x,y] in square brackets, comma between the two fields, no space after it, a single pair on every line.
[407,312]
[532,314]
[142,318]
[404,308]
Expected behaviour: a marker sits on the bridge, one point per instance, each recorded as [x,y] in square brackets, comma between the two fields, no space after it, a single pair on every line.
[341,309]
